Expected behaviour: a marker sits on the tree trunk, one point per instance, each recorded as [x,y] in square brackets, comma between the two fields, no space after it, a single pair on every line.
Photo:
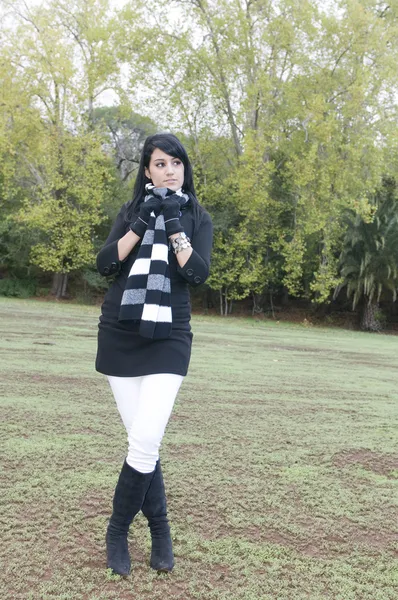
[369,317]
[64,284]
[205,301]
[285,296]
[60,282]
[257,307]
[55,284]
[222,80]
[271,301]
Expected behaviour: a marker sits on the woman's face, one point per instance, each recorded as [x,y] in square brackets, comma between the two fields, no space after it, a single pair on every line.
[165,170]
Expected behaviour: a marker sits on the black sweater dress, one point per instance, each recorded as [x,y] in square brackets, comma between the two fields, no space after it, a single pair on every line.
[121,350]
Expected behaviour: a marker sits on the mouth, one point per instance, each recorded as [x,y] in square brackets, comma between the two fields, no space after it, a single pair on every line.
[170,180]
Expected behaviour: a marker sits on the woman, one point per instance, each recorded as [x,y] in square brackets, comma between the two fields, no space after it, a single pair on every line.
[159,244]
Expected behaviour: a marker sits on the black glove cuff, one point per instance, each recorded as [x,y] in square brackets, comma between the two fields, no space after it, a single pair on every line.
[173,226]
[139,227]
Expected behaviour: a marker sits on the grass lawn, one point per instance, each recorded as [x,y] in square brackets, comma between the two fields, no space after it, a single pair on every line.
[280,461]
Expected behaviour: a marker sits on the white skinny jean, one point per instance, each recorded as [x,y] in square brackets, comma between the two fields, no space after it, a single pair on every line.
[145,405]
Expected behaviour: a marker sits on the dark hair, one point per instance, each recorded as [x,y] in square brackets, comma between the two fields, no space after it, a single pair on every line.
[172,146]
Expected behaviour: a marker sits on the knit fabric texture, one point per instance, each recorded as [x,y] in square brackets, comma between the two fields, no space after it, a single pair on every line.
[146,297]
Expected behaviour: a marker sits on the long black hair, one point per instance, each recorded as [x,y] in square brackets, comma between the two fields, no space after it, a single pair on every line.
[172,146]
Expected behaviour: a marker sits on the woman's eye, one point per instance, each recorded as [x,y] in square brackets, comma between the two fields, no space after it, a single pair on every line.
[161,165]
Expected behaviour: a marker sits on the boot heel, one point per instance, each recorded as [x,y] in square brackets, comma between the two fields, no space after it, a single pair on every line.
[155,510]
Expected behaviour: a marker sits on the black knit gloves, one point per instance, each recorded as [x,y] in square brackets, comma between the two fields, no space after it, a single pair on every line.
[139,226]
[171,213]
[170,208]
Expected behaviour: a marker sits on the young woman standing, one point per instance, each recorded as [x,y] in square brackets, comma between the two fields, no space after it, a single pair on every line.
[159,245]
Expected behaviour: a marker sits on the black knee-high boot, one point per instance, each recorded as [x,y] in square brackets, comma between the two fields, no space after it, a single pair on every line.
[155,510]
[129,495]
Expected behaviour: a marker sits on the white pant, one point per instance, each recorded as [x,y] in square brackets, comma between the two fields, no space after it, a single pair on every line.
[145,405]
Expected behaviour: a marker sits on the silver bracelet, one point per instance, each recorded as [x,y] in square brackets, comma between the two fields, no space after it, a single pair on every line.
[181,242]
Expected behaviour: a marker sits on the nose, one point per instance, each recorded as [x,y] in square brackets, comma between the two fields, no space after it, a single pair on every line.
[170,169]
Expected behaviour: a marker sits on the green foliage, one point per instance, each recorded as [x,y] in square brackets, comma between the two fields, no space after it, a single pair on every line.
[67,204]
[125,132]
[17,288]
[287,110]
[301,91]
[369,258]
[15,247]
[95,280]
[56,177]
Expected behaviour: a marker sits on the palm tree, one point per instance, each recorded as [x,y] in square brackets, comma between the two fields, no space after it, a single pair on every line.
[369,258]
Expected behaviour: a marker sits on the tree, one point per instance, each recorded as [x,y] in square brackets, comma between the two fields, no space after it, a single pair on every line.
[89,27]
[304,92]
[126,132]
[19,122]
[65,175]
[288,110]
[369,258]
[67,205]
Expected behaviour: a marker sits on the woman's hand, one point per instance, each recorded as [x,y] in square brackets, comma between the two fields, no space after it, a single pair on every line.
[171,212]
[141,223]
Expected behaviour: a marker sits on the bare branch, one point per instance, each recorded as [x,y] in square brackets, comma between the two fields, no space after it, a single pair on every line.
[339,59]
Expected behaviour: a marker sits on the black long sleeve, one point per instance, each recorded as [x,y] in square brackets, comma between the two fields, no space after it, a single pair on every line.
[122,352]
[196,269]
[108,262]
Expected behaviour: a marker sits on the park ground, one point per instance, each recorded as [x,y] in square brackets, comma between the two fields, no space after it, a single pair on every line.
[280,461]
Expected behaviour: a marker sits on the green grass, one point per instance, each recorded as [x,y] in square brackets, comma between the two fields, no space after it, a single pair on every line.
[280,461]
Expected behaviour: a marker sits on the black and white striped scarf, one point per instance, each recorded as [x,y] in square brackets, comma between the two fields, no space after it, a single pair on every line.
[146,297]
